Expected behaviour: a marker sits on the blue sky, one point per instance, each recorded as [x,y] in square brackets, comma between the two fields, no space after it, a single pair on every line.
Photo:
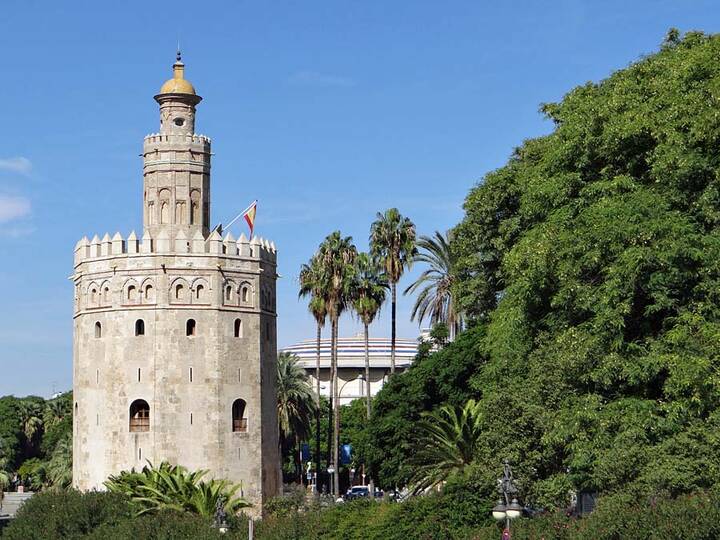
[324,111]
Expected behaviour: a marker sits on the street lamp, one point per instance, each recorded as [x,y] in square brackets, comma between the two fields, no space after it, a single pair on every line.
[507,508]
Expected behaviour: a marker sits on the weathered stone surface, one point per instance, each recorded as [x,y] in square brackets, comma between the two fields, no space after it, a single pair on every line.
[189,381]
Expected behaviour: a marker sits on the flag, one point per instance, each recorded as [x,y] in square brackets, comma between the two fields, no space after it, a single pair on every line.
[249,216]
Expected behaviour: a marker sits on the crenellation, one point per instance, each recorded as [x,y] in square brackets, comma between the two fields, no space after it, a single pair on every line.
[118,244]
[215,241]
[230,245]
[146,244]
[214,244]
[132,243]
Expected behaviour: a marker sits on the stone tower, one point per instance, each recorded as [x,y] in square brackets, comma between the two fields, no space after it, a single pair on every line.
[175,332]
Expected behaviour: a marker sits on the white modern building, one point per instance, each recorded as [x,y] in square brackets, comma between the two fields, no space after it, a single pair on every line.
[351,363]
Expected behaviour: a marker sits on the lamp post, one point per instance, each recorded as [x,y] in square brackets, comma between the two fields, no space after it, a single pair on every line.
[507,507]
[331,471]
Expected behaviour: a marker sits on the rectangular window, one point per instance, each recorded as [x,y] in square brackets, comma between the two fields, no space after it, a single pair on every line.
[139,454]
[239,375]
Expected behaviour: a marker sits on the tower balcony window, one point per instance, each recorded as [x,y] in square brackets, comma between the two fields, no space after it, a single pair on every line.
[139,416]
[239,422]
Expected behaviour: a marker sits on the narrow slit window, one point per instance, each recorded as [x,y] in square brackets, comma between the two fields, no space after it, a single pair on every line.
[190,327]
[138,374]
[139,327]
[98,330]
[191,419]
[191,374]
[238,328]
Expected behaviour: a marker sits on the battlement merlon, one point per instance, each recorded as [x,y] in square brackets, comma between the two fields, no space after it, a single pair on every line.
[242,248]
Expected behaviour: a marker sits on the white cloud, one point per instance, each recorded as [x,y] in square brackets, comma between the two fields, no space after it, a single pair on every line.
[313,78]
[16,164]
[13,208]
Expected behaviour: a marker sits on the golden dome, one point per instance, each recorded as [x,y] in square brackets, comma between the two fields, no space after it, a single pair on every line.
[178,84]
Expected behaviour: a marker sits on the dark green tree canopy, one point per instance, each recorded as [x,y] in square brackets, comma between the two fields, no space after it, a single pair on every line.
[591,261]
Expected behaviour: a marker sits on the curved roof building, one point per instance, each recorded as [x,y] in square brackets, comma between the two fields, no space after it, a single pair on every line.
[351,362]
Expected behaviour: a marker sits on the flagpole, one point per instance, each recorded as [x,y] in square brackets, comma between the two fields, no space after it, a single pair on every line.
[241,214]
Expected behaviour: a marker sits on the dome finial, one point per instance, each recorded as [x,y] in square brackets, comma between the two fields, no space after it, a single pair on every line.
[178,57]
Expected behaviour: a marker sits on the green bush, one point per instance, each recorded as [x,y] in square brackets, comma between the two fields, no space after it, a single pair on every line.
[66,515]
[445,517]
[164,525]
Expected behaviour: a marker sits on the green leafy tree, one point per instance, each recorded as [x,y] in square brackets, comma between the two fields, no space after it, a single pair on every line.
[392,245]
[434,287]
[368,295]
[337,256]
[447,444]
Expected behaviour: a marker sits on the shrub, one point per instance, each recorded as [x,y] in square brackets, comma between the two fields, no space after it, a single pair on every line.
[69,514]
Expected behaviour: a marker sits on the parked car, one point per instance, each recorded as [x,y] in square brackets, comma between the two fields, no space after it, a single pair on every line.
[357,492]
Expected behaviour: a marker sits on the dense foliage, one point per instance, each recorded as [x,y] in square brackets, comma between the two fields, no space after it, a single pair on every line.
[71,515]
[590,265]
[36,440]
[173,487]
[456,515]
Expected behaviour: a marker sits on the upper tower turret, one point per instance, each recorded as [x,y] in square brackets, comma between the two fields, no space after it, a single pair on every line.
[176,164]
[177,99]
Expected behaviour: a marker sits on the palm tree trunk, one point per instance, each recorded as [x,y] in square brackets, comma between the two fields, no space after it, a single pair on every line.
[367,391]
[367,371]
[317,412]
[392,331]
[336,412]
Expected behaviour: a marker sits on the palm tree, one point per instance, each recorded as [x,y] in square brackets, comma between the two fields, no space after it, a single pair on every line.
[31,420]
[337,256]
[447,443]
[55,411]
[311,283]
[295,400]
[392,245]
[59,468]
[369,291]
[435,284]
[174,487]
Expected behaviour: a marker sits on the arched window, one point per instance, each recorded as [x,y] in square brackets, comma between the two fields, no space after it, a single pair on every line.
[238,328]
[139,415]
[199,291]
[106,295]
[94,296]
[190,327]
[139,327]
[164,212]
[151,213]
[239,422]
[179,291]
[245,293]
[149,293]
[132,293]
[228,293]
[98,330]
